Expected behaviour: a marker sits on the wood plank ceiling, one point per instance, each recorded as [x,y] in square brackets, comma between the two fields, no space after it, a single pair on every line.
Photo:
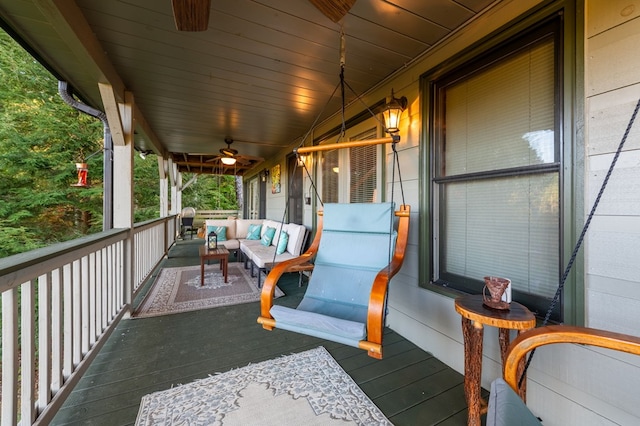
[260,74]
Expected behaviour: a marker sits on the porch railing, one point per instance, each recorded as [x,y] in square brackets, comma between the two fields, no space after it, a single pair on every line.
[202,215]
[60,304]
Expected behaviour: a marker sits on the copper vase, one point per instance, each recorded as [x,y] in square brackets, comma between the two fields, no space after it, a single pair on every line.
[496,286]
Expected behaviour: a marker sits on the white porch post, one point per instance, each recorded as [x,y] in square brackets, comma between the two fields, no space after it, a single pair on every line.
[164,187]
[121,122]
[173,178]
[179,193]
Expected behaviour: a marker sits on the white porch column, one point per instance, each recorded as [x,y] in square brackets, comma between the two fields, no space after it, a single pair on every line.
[173,179]
[120,118]
[179,193]
[164,187]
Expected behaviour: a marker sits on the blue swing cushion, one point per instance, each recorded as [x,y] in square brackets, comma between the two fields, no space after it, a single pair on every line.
[354,247]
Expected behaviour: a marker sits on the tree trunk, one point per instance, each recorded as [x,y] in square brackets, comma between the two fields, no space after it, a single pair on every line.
[239,195]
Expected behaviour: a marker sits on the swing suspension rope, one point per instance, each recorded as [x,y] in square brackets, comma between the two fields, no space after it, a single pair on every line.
[301,149]
[574,254]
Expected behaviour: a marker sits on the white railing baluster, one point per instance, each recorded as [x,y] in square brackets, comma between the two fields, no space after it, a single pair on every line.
[93,320]
[27,352]
[77,310]
[45,352]
[81,296]
[9,356]
[102,290]
[57,331]
[67,308]
[85,318]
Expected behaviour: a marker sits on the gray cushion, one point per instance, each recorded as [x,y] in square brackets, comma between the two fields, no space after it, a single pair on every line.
[506,408]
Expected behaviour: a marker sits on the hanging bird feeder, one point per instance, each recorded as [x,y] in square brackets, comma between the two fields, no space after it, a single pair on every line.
[83,174]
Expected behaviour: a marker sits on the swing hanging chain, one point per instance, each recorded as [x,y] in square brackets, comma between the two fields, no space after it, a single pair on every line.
[574,254]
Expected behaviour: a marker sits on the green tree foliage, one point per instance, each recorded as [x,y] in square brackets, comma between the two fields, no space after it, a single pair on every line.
[210,192]
[41,138]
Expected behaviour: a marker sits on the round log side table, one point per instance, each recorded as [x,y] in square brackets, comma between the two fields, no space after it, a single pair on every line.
[474,317]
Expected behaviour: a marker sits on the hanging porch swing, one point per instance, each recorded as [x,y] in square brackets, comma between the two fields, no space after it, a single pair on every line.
[357,249]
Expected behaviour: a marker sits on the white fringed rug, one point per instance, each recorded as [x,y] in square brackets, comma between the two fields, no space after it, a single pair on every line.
[179,290]
[308,388]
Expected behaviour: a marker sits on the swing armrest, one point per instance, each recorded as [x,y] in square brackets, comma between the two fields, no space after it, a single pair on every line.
[269,286]
[377,298]
[541,336]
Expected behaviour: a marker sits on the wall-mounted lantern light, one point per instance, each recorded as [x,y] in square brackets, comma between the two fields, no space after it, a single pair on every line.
[392,112]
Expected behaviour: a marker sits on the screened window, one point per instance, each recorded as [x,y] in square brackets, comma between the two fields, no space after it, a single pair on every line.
[496,178]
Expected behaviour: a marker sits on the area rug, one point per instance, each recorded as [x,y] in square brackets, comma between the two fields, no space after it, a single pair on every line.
[179,290]
[308,388]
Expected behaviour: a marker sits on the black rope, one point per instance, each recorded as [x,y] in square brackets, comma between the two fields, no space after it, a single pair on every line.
[556,297]
[397,160]
[343,127]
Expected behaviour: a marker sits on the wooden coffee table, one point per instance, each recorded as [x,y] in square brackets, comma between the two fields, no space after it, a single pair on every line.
[219,253]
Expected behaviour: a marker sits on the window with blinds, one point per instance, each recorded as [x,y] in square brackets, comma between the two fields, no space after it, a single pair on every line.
[330,176]
[363,163]
[497,174]
[351,175]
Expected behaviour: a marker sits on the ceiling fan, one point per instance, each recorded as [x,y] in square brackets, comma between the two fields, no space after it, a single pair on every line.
[230,157]
[193,15]
[229,154]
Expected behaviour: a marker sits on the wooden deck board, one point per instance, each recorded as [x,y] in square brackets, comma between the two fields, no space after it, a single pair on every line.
[149,354]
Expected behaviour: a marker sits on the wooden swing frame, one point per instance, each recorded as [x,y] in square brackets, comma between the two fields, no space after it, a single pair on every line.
[377,297]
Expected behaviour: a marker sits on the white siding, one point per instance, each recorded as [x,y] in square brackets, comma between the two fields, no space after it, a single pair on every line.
[568,384]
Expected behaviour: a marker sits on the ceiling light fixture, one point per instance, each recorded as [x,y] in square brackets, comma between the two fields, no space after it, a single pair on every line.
[228,154]
[392,112]
[229,161]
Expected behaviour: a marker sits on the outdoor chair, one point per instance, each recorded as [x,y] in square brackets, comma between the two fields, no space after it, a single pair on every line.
[356,250]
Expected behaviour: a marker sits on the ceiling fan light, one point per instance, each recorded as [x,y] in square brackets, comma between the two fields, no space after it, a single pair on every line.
[228,161]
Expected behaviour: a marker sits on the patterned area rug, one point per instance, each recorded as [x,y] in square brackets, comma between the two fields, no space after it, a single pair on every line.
[178,290]
[308,388]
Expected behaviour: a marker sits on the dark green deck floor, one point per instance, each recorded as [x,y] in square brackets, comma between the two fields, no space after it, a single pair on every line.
[145,355]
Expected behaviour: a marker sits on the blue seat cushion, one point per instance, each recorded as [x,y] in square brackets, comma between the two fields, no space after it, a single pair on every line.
[348,332]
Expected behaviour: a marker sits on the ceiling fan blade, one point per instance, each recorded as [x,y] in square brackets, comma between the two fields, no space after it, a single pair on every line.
[191,15]
[333,9]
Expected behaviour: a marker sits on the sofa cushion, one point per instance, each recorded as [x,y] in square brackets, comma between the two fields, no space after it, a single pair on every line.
[282,243]
[296,237]
[268,223]
[261,255]
[221,232]
[267,236]
[254,232]
[229,224]
[242,227]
